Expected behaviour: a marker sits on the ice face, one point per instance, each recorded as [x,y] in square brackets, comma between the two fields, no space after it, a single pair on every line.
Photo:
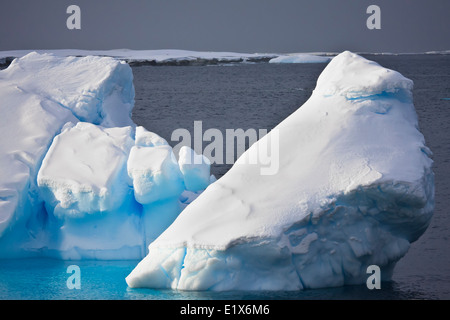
[40,93]
[155,174]
[145,138]
[354,188]
[195,168]
[84,171]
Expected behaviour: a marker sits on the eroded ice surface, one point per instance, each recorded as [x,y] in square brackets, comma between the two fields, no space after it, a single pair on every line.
[354,188]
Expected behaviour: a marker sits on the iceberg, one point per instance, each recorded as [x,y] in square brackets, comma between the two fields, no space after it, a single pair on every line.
[300,58]
[41,93]
[78,179]
[355,188]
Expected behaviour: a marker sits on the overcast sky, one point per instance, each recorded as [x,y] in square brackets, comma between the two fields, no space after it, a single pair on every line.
[227,25]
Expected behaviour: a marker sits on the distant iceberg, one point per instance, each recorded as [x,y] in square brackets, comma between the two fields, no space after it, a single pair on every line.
[300,58]
[354,188]
[78,179]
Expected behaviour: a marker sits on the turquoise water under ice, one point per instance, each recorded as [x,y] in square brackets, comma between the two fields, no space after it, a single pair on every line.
[46,279]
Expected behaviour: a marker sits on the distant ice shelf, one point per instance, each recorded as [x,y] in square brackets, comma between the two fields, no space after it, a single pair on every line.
[173,57]
[168,57]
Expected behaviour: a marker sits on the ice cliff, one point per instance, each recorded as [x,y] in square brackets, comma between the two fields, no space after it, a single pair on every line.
[354,188]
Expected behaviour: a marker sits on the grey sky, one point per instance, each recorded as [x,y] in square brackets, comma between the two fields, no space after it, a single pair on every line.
[227,25]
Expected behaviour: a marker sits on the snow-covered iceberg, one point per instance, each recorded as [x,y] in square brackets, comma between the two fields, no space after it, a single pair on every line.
[354,188]
[39,94]
[78,179]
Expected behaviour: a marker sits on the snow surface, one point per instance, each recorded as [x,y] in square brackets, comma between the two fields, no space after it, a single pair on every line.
[354,188]
[78,179]
[84,171]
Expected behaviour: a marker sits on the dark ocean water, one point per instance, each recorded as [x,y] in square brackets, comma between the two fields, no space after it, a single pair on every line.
[259,96]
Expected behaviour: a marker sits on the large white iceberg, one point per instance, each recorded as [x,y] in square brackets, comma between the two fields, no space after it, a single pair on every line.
[354,188]
[78,179]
